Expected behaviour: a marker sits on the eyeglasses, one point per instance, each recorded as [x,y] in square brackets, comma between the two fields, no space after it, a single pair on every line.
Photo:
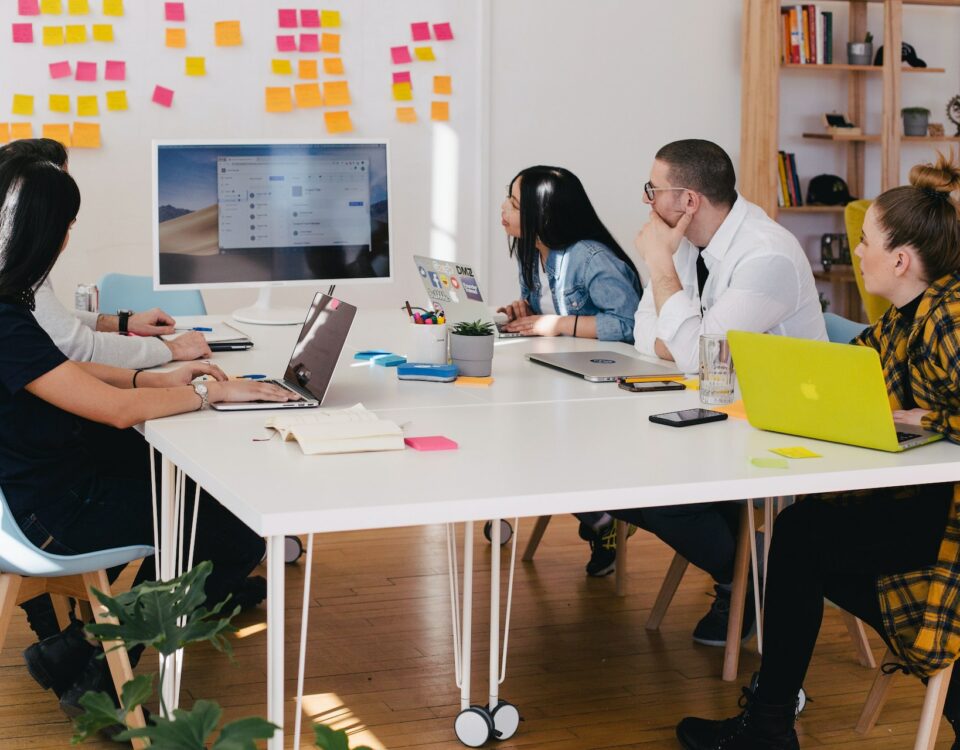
[651,191]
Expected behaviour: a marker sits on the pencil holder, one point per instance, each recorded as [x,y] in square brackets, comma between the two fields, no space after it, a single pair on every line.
[428,344]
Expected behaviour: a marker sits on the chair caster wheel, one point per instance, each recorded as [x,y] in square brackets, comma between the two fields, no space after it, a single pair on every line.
[506,531]
[506,720]
[292,549]
[473,726]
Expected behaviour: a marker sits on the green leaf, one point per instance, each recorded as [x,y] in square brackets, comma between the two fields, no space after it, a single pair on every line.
[330,739]
[188,730]
[136,692]
[100,712]
[243,734]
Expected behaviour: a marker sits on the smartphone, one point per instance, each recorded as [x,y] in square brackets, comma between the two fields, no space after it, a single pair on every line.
[688,417]
[652,385]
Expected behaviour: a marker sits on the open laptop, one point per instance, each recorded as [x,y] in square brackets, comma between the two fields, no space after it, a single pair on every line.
[604,367]
[832,392]
[314,358]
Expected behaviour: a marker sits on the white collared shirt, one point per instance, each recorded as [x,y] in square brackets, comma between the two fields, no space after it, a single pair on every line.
[760,280]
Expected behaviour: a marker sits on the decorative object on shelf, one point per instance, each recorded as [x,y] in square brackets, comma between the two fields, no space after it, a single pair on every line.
[471,348]
[834,250]
[860,53]
[907,53]
[915,120]
[953,112]
[828,190]
[838,124]
[935,129]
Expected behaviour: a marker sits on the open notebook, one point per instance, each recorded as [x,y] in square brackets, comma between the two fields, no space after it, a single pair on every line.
[326,431]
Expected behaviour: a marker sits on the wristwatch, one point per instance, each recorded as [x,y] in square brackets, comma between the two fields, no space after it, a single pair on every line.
[201,390]
[123,317]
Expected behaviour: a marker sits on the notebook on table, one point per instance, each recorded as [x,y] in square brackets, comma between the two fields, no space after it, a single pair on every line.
[329,431]
[220,336]
[605,367]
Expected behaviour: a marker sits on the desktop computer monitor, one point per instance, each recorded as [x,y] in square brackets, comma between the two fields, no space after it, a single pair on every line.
[270,213]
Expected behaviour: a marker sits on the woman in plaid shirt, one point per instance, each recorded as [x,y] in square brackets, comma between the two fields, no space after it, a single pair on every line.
[891,557]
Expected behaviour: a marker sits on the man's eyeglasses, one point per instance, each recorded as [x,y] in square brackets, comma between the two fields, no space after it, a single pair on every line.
[651,191]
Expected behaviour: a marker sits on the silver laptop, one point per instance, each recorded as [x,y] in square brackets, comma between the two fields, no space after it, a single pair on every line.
[314,358]
[603,367]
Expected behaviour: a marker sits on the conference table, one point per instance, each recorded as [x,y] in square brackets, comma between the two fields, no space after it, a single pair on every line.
[536,442]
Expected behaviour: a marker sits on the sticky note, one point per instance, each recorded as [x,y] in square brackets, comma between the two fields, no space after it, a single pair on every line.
[431,443]
[76,34]
[338,122]
[86,135]
[692,383]
[384,360]
[797,451]
[28,7]
[51,7]
[442,85]
[307,69]
[162,96]
[736,410]
[330,19]
[115,70]
[420,31]
[87,106]
[406,114]
[442,32]
[278,99]
[23,33]
[60,69]
[282,67]
[4,132]
[440,111]
[770,463]
[102,32]
[59,103]
[52,36]
[469,382]
[401,76]
[20,130]
[78,7]
[195,66]
[174,12]
[310,19]
[286,43]
[307,95]
[403,92]
[336,93]
[333,66]
[86,71]
[113,7]
[287,18]
[117,101]
[57,132]
[424,54]
[330,43]
[176,37]
[22,104]
[227,34]
[309,43]
[400,55]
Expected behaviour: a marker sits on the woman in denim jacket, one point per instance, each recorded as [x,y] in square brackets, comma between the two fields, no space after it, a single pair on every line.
[594,285]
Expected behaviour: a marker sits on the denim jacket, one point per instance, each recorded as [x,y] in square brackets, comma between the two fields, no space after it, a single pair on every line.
[588,279]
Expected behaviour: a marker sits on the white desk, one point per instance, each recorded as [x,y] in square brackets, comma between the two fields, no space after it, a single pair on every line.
[537,442]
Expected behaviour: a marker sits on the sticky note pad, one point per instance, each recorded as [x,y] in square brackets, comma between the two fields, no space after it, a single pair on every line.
[330,19]
[424,54]
[87,106]
[383,360]
[78,7]
[60,69]
[286,43]
[23,33]
[176,38]
[403,92]
[420,31]
[115,70]
[278,99]
[307,69]
[113,7]
[102,32]
[401,76]
[52,36]
[281,67]
[22,104]
[309,43]
[287,18]
[28,7]
[162,96]
[174,12]
[86,135]
[4,132]
[406,114]
[57,132]
[795,452]
[736,410]
[86,71]
[20,130]
[195,66]
[338,122]
[442,85]
[440,111]
[59,103]
[400,55]
[770,463]
[469,382]
[692,383]
[51,7]
[367,354]
[310,19]
[431,443]
[307,95]
[117,101]
[336,93]
[330,43]
[76,34]
[442,32]
[333,66]
[227,34]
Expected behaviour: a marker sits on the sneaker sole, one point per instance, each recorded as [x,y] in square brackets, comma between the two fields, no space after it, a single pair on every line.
[723,643]
[603,571]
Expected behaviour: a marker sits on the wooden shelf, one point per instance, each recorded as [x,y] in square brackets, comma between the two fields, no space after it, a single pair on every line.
[862,138]
[842,67]
[930,139]
[949,3]
[810,209]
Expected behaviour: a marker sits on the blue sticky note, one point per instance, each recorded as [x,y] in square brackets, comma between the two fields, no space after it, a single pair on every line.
[388,360]
[370,354]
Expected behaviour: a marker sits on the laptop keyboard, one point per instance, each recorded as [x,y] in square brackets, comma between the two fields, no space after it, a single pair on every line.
[505,334]
[903,437]
[287,387]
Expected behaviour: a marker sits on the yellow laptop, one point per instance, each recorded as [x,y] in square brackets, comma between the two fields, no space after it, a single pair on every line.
[819,390]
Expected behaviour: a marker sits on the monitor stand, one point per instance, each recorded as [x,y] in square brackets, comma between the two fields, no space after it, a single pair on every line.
[263,313]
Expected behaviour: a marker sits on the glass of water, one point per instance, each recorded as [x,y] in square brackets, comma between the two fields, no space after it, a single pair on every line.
[716,370]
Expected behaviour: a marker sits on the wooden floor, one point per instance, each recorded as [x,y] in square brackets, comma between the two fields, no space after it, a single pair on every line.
[582,669]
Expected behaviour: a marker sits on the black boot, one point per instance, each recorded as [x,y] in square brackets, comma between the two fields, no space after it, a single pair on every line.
[57,661]
[951,707]
[760,726]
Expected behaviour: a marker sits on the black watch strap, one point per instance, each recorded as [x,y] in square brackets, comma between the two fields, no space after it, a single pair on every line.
[123,317]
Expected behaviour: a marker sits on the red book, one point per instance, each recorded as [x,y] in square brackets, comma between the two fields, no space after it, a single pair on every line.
[812,34]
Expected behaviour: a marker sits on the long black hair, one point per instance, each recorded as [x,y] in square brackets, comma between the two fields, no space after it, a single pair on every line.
[555,209]
[38,203]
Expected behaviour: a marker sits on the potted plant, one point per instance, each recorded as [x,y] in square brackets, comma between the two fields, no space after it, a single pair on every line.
[915,120]
[861,53]
[471,348]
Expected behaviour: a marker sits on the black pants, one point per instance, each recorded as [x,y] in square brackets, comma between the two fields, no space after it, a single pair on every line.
[822,548]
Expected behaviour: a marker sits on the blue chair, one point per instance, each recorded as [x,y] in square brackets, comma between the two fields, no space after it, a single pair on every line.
[840,330]
[27,571]
[119,291]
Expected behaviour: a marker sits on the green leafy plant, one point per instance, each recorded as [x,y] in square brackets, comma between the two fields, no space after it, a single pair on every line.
[476,328]
[914,111]
[868,39]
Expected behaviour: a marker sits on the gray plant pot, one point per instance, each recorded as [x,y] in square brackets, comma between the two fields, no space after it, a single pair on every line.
[473,355]
[915,123]
[860,53]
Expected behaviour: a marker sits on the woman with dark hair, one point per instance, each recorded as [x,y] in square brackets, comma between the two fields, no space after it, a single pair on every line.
[75,476]
[594,286]
[888,556]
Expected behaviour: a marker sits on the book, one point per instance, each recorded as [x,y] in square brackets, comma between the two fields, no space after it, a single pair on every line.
[795,45]
[828,37]
[783,197]
[214,331]
[810,20]
[786,53]
[330,431]
[798,196]
[818,34]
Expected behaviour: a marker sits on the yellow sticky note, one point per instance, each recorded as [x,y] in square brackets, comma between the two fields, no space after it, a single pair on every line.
[52,35]
[117,101]
[403,92]
[103,32]
[338,122]
[333,66]
[307,69]
[424,54]
[440,111]
[87,106]
[282,67]
[227,34]
[442,85]
[113,7]
[76,34]
[406,114]
[51,7]
[692,383]
[20,130]
[176,38]
[59,103]
[330,43]
[336,93]
[4,132]
[736,410]
[471,382]
[196,66]
[78,7]
[797,451]
[764,462]
[57,132]
[308,95]
[278,99]
[329,19]
[22,104]
[86,135]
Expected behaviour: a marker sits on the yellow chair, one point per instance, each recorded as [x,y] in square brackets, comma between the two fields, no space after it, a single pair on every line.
[853,218]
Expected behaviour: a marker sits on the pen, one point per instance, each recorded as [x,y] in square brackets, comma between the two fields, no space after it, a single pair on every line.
[205,329]
[253,376]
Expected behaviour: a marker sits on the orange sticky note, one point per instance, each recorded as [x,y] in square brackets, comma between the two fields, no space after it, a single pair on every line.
[330,43]
[307,69]
[102,32]
[283,67]
[59,103]
[87,106]
[403,91]
[52,36]
[308,95]
[442,85]
[336,93]
[227,34]
[113,7]
[278,99]
[4,132]
[57,132]
[424,54]
[330,19]
[51,7]
[76,34]
[333,66]
[338,122]
[196,66]
[176,37]
[86,135]
[406,114]
[117,101]
[440,111]
[78,7]
[23,104]
[20,130]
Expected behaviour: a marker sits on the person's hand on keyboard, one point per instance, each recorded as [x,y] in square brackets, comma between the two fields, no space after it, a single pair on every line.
[536,325]
[242,391]
[516,309]
[909,416]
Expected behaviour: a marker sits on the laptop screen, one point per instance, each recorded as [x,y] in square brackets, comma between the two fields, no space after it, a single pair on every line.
[321,340]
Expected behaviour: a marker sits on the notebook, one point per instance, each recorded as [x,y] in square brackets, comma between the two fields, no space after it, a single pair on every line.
[328,431]
[819,390]
[220,336]
[604,367]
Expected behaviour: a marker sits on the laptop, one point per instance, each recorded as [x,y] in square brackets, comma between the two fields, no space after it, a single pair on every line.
[815,389]
[314,358]
[604,367]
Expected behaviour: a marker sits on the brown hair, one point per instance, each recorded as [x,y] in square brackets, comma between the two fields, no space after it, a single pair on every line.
[925,216]
[701,166]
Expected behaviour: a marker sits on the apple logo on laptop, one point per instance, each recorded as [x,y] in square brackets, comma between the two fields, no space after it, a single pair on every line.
[809,391]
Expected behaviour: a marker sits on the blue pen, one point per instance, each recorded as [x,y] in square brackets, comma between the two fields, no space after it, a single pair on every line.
[253,376]
[204,329]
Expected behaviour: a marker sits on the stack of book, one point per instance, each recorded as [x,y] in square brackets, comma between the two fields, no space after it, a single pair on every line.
[789,193]
[807,35]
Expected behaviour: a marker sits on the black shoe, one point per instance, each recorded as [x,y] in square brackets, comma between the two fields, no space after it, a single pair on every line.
[252,591]
[57,661]
[603,549]
[712,628]
[96,678]
[759,726]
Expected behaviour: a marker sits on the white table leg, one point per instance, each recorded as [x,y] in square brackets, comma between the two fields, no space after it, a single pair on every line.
[493,698]
[275,613]
[166,558]
[466,640]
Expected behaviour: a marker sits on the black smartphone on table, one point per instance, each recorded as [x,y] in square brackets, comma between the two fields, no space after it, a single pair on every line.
[688,417]
[650,386]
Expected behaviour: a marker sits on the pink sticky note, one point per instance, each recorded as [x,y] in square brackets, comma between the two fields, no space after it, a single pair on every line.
[163,96]
[287,18]
[310,19]
[402,77]
[420,31]
[23,33]
[400,55]
[309,43]
[86,71]
[60,69]
[116,70]
[431,443]
[442,32]
[29,7]
[174,12]
[286,43]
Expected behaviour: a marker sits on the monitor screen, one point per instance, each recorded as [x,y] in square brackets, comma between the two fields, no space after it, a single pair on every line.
[275,213]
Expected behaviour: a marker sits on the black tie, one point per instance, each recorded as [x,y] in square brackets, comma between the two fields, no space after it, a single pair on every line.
[702,272]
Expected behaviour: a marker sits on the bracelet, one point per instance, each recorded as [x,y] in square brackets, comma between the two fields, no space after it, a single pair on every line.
[576,319]
[135,373]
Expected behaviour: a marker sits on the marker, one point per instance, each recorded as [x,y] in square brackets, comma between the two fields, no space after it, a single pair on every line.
[253,376]
[205,329]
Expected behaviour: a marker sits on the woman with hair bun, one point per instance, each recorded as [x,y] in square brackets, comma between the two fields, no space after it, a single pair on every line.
[889,556]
